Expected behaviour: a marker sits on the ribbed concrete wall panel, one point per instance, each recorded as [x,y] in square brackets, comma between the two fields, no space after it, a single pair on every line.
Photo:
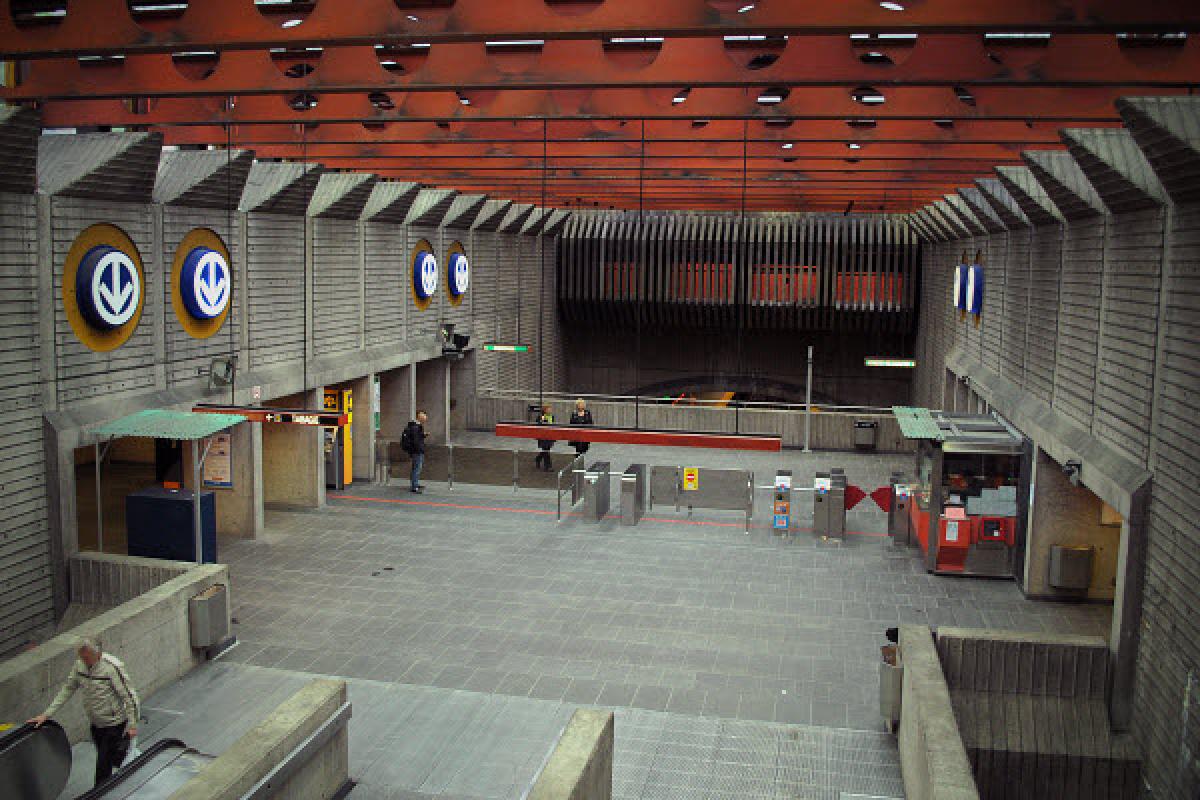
[337,302]
[189,359]
[84,374]
[995,317]
[389,296]
[19,132]
[1167,129]
[1013,340]
[484,326]
[117,167]
[26,594]
[1044,318]
[1079,319]
[275,291]
[1129,330]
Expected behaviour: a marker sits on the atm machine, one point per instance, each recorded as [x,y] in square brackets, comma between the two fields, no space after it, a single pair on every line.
[339,442]
[968,504]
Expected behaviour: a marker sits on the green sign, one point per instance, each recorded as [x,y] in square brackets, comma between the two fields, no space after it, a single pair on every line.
[495,347]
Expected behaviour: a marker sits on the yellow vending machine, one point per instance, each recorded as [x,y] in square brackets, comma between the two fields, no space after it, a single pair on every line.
[339,442]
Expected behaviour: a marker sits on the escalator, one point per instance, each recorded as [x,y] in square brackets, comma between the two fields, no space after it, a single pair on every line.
[35,764]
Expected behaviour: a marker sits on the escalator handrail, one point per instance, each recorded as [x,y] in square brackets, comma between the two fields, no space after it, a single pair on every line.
[13,736]
[133,766]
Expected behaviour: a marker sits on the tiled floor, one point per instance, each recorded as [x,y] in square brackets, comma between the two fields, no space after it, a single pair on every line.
[685,625]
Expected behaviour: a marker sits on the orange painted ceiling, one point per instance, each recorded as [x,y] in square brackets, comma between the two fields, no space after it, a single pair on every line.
[680,104]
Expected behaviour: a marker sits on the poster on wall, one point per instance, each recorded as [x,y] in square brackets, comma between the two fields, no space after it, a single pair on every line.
[218,467]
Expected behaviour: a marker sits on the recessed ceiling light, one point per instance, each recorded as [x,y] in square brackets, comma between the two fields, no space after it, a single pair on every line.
[745,8]
[414,18]
[787,145]
[681,96]
[854,146]
[892,6]
[291,23]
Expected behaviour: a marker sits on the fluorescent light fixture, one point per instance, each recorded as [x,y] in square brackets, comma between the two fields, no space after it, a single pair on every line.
[770,97]
[787,145]
[892,6]
[517,43]
[291,23]
[903,363]
[754,37]
[681,96]
[745,8]
[497,347]
[854,146]
[635,40]
[414,18]
[1016,37]
[419,44]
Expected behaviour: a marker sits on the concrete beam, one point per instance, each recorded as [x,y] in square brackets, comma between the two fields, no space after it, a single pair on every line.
[342,195]
[19,131]
[516,217]
[100,166]
[202,178]
[1167,129]
[280,187]
[1116,168]
[390,201]
[1029,195]
[1064,182]
[464,210]
[491,215]
[966,215]
[983,211]
[1002,203]
[430,207]
[950,221]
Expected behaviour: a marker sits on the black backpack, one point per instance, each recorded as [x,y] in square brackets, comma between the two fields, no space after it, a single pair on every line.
[407,441]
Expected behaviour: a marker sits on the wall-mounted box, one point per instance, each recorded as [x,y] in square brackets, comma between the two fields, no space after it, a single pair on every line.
[1071,566]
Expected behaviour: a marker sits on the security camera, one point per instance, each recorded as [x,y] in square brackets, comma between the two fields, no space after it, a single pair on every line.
[1074,471]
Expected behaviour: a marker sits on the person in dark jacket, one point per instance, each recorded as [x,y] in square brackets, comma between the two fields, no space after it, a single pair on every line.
[581,416]
[542,459]
[413,442]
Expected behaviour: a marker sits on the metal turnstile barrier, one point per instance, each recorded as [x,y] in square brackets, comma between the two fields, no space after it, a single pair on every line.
[899,523]
[701,487]
[634,484]
[597,489]
[829,504]
[572,476]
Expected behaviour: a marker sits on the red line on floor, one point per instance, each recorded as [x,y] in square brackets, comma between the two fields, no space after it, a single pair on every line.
[509,510]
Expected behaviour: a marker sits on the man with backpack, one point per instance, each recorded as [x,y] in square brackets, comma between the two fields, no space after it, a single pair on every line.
[412,441]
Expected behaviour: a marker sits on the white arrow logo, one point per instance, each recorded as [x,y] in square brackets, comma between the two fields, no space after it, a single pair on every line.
[117,300]
[210,282]
[462,274]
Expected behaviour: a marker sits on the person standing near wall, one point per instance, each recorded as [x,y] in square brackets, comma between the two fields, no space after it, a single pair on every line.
[109,699]
[544,445]
[581,416]
[413,443]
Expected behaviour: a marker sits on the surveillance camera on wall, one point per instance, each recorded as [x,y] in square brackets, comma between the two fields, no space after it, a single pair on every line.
[453,344]
[222,372]
[1074,471]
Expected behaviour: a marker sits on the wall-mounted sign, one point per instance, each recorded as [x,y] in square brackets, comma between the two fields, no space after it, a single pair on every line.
[959,297]
[902,363]
[458,273]
[974,290]
[424,274]
[103,287]
[496,347]
[691,479]
[218,466]
[201,283]
[205,283]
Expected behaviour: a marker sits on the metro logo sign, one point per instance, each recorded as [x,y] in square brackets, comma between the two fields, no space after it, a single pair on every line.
[108,287]
[204,283]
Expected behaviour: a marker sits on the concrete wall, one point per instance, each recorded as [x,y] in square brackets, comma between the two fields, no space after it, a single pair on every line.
[149,633]
[104,579]
[293,460]
[580,768]
[252,758]
[1068,515]
[1108,327]
[933,759]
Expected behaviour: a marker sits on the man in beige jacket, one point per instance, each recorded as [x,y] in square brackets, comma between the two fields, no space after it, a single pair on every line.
[110,701]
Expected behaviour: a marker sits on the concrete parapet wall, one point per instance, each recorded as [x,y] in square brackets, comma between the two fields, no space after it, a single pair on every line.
[580,768]
[933,759]
[104,579]
[149,633]
[829,430]
[1062,665]
[323,771]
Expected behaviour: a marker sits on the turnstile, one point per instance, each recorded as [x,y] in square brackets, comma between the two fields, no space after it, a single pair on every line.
[634,484]
[829,504]
[596,491]
[335,473]
[899,525]
[781,501]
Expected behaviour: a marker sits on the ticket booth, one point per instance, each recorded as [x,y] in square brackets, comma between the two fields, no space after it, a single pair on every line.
[339,442]
[967,504]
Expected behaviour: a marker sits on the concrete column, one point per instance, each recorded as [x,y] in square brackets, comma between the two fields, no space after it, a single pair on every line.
[433,399]
[156,288]
[462,390]
[240,509]
[293,458]
[363,432]
[395,401]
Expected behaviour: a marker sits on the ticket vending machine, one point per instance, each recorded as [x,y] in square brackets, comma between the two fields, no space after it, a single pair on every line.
[339,442]
[899,528]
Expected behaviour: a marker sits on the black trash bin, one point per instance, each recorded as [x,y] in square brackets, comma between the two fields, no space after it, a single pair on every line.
[864,434]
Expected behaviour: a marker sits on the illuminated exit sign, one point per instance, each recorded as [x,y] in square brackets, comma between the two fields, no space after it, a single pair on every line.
[496,347]
[904,363]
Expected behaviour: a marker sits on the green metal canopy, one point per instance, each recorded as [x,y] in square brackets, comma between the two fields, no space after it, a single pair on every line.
[917,423]
[157,423]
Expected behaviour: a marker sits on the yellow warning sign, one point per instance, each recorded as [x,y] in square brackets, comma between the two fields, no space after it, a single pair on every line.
[691,479]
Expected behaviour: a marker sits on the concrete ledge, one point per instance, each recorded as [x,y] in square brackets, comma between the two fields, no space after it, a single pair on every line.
[104,579]
[149,633]
[1066,665]
[580,768]
[254,756]
[933,759]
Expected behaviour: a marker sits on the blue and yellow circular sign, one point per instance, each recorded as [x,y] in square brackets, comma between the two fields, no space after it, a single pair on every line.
[424,274]
[458,274]
[201,283]
[103,287]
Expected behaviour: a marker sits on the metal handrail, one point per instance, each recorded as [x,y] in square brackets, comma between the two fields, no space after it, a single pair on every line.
[570,468]
[525,394]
